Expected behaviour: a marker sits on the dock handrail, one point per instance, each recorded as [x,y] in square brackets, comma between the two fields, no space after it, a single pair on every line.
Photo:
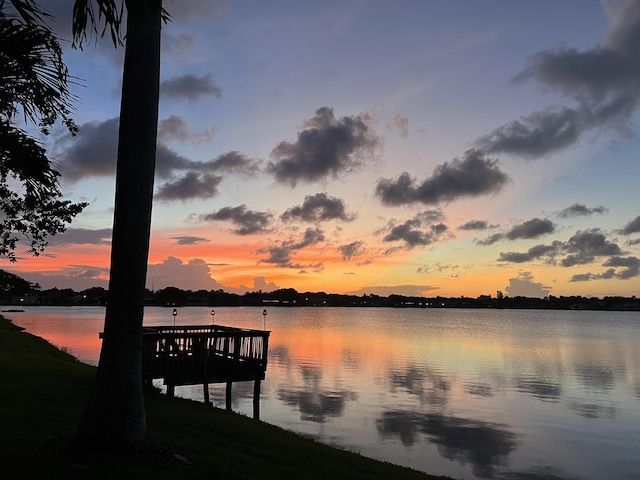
[214,352]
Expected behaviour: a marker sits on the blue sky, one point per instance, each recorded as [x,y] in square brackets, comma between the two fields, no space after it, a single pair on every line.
[418,147]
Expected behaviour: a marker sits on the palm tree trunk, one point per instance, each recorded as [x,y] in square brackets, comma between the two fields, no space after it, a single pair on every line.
[115,414]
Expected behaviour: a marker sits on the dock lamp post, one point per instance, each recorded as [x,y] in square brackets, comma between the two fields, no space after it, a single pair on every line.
[175,314]
[213,317]
[264,319]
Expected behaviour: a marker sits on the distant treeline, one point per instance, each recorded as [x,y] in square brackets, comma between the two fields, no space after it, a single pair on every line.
[17,291]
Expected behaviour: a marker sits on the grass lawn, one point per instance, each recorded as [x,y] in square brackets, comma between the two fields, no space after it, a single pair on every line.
[42,394]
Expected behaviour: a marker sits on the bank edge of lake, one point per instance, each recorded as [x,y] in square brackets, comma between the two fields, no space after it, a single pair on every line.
[43,393]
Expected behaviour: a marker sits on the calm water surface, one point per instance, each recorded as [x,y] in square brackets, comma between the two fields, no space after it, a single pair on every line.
[498,394]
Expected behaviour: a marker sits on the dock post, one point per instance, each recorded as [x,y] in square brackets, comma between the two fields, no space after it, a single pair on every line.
[228,395]
[171,389]
[256,400]
[205,391]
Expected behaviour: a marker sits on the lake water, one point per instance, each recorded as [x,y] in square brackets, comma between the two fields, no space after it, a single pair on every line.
[497,394]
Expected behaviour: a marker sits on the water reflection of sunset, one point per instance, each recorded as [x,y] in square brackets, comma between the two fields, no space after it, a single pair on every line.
[465,393]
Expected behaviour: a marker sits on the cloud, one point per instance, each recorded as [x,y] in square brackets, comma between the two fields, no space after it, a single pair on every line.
[585,245]
[629,268]
[438,267]
[190,87]
[248,221]
[327,146]
[318,208]
[280,255]
[400,124]
[533,228]
[472,176]
[92,152]
[524,286]
[76,277]
[189,240]
[78,236]
[424,229]
[350,250]
[176,46]
[175,127]
[533,253]
[173,272]
[476,225]
[582,248]
[189,186]
[261,284]
[580,210]
[602,82]
[231,162]
[188,10]
[632,227]
[536,134]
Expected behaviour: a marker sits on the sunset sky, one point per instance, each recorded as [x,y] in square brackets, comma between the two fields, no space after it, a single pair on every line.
[414,147]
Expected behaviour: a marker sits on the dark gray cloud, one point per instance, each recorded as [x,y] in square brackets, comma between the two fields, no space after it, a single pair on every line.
[536,134]
[630,265]
[188,187]
[476,225]
[424,229]
[319,208]
[81,236]
[472,176]
[175,127]
[623,268]
[190,87]
[91,153]
[327,146]
[350,250]
[248,221]
[535,252]
[533,228]
[584,247]
[189,240]
[580,210]
[231,162]
[632,227]
[280,255]
[603,83]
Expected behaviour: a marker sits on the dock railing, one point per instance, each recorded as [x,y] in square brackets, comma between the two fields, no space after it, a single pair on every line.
[203,354]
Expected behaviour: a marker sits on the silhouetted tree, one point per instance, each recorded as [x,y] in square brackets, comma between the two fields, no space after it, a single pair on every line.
[114,416]
[34,84]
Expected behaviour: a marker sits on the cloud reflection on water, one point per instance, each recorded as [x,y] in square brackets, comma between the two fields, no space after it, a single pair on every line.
[484,445]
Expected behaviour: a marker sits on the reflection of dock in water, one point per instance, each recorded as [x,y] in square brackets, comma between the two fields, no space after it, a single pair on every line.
[204,354]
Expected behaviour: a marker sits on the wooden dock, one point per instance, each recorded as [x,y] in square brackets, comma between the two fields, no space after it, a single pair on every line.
[205,354]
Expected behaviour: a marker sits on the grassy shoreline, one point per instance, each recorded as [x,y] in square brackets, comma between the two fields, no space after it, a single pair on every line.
[42,394]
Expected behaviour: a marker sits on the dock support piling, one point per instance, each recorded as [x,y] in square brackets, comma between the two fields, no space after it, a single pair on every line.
[205,391]
[256,399]
[228,395]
